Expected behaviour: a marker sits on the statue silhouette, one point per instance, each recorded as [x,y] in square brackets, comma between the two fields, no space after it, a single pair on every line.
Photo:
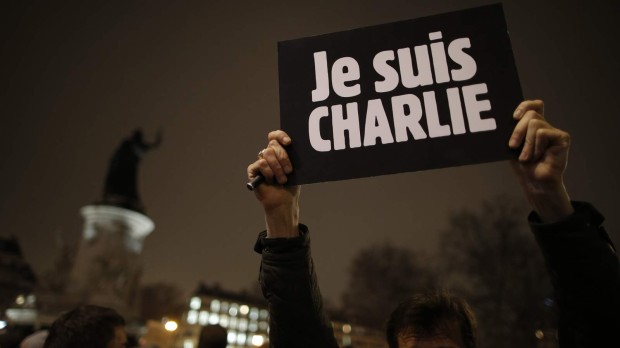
[121,184]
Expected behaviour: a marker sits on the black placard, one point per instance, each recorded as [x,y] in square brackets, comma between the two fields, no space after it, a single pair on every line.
[425,93]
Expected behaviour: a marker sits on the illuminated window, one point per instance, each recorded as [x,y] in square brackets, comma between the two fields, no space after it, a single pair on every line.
[346,340]
[264,314]
[203,318]
[346,328]
[258,340]
[214,319]
[233,311]
[254,314]
[263,325]
[243,324]
[233,323]
[244,309]
[241,338]
[224,321]
[215,306]
[31,299]
[224,306]
[188,343]
[20,300]
[232,337]
[195,303]
[192,317]
[253,326]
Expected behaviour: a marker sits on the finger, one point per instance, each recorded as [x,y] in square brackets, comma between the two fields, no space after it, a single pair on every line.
[261,167]
[527,105]
[547,137]
[273,161]
[253,170]
[282,156]
[279,136]
[518,134]
[266,170]
[529,148]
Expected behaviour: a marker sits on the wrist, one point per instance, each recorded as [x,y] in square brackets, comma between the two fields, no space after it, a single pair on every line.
[282,222]
[551,201]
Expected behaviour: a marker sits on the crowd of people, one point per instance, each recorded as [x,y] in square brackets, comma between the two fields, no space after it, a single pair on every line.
[581,259]
[580,256]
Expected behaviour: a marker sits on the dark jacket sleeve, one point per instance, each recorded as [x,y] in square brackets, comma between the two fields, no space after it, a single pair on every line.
[289,284]
[585,274]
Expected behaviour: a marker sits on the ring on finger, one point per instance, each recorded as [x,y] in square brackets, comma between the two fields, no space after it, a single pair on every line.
[260,153]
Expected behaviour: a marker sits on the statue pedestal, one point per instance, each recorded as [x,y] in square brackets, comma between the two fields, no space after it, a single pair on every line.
[108,263]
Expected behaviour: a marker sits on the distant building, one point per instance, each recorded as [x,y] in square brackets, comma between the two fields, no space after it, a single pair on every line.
[17,283]
[246,319]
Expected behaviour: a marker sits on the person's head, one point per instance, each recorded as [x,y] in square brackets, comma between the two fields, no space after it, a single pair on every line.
[88,326]
[213,336]
[432,320]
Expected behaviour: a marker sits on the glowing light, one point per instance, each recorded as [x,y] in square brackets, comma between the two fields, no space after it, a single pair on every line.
[214,319]
[243,324]
[346,328]
[232,337]
[3,324]
[264,314]
[224,306]
[258,340]
[192,317]
[203,318]
[171,325]
[539,334]
[224,321]
[195,303]
[20,300]
[244,309]
[346,340]
[253,326]
[215,306]
[241,338]
[254,314]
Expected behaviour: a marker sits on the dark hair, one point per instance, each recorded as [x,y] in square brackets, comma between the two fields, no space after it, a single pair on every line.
[432,314]
[213,336]
[86,326]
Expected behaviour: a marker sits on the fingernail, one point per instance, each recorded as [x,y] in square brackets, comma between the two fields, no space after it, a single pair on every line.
[512,143]
[517,113]
[286,140]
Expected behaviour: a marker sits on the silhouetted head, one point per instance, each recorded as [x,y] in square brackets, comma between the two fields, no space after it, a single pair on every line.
[213,336]
[87,326]
[432,320]
[137,136]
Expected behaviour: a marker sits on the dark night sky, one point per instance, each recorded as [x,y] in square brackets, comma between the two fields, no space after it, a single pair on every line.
[78,77]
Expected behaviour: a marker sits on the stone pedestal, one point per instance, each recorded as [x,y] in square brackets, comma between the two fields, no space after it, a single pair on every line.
[108,264]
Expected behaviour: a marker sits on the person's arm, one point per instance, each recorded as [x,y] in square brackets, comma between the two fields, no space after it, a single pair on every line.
[581,260]
[287,277]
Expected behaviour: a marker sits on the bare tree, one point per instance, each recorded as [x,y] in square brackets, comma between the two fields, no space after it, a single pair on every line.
[160,300]
[380,277]
[490,257]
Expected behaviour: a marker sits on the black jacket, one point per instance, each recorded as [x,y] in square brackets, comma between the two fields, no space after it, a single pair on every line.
[580,257]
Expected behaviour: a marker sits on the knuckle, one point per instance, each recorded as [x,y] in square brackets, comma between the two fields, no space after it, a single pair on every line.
[274,134]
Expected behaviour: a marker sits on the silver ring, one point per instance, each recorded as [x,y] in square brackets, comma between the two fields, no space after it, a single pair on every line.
[260,153]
